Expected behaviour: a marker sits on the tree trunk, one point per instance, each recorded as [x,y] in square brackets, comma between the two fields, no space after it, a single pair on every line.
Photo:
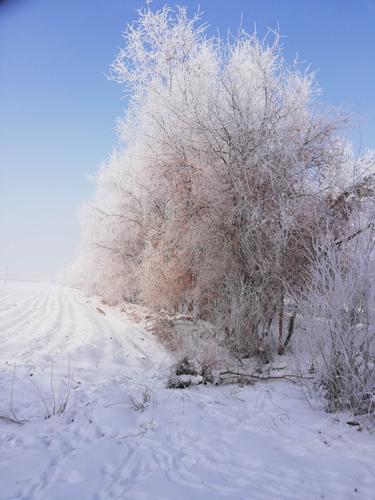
[281,321]
[290,333]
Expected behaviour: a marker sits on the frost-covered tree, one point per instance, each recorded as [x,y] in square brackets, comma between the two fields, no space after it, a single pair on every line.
[226,175]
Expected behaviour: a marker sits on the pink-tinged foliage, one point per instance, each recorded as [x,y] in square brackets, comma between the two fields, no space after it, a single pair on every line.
[226,175]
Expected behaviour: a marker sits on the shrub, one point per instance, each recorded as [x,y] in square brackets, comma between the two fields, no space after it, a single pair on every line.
[339,316]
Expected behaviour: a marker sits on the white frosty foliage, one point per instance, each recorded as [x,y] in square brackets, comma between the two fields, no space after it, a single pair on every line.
[338,314]
[225,177]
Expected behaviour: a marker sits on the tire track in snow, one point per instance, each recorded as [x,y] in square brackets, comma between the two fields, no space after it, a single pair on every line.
[27,328]
[50,326]
[14,316]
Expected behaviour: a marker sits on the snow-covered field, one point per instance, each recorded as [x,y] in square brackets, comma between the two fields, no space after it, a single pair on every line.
[260,442]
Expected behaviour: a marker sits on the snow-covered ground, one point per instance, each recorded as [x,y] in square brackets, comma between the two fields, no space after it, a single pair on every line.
[255,442]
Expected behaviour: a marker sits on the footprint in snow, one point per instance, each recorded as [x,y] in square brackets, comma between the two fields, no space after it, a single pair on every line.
[74,477]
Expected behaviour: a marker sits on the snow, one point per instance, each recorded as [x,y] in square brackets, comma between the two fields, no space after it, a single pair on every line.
[123,435]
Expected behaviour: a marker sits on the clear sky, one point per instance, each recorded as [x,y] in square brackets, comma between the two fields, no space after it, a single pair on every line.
[58,111]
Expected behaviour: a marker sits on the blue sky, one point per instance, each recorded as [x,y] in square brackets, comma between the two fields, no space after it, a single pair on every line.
[58,111]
